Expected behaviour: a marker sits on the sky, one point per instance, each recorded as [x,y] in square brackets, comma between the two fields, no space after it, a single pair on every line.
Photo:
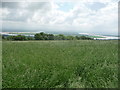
[87,16]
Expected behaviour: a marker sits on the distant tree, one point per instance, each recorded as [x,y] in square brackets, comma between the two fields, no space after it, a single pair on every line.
[42,33]
[50,37]
[77,37]
[30,38]
[10,37]
[38,36]
[60,37]
[70,37]
[3,37]
[56,37]
[44,36]
[85,38]
[20,37]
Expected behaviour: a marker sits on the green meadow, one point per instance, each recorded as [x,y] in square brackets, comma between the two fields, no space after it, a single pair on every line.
[60,64]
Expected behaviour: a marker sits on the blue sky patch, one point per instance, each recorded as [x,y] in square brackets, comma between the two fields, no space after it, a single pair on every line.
[66,6]
[96,5]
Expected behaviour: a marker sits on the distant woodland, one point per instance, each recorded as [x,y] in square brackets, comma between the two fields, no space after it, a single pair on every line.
[45,36]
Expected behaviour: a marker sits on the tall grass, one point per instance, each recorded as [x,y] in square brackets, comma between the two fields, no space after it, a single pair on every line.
[60,64]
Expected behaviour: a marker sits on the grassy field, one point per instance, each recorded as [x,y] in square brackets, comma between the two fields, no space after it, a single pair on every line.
[60,64]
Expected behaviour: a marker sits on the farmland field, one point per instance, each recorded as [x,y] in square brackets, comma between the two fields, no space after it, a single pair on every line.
[60,64]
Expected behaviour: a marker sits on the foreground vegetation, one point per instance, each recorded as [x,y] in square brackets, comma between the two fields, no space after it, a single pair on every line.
[60,64]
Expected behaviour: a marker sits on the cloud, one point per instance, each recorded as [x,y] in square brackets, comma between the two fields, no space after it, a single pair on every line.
[10,5]
[92,17]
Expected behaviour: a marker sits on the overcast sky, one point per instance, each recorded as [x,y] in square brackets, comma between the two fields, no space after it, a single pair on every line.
[98,16]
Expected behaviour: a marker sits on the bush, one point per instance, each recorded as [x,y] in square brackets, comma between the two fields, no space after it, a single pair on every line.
[85,38]
[30,38]
[19,38]
[60,37]
[44,36]
[40,36]
[10,37]
[50,36]
[70,38]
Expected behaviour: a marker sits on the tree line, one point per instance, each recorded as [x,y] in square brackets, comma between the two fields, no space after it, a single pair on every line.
[44,36]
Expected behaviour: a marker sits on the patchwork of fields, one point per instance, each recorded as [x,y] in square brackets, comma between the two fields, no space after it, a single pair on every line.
[60,64]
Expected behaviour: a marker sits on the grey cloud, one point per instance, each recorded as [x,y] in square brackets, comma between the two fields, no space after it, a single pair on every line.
[15,16]
[10,5]
[32,6]
[15,8]
[38,5]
